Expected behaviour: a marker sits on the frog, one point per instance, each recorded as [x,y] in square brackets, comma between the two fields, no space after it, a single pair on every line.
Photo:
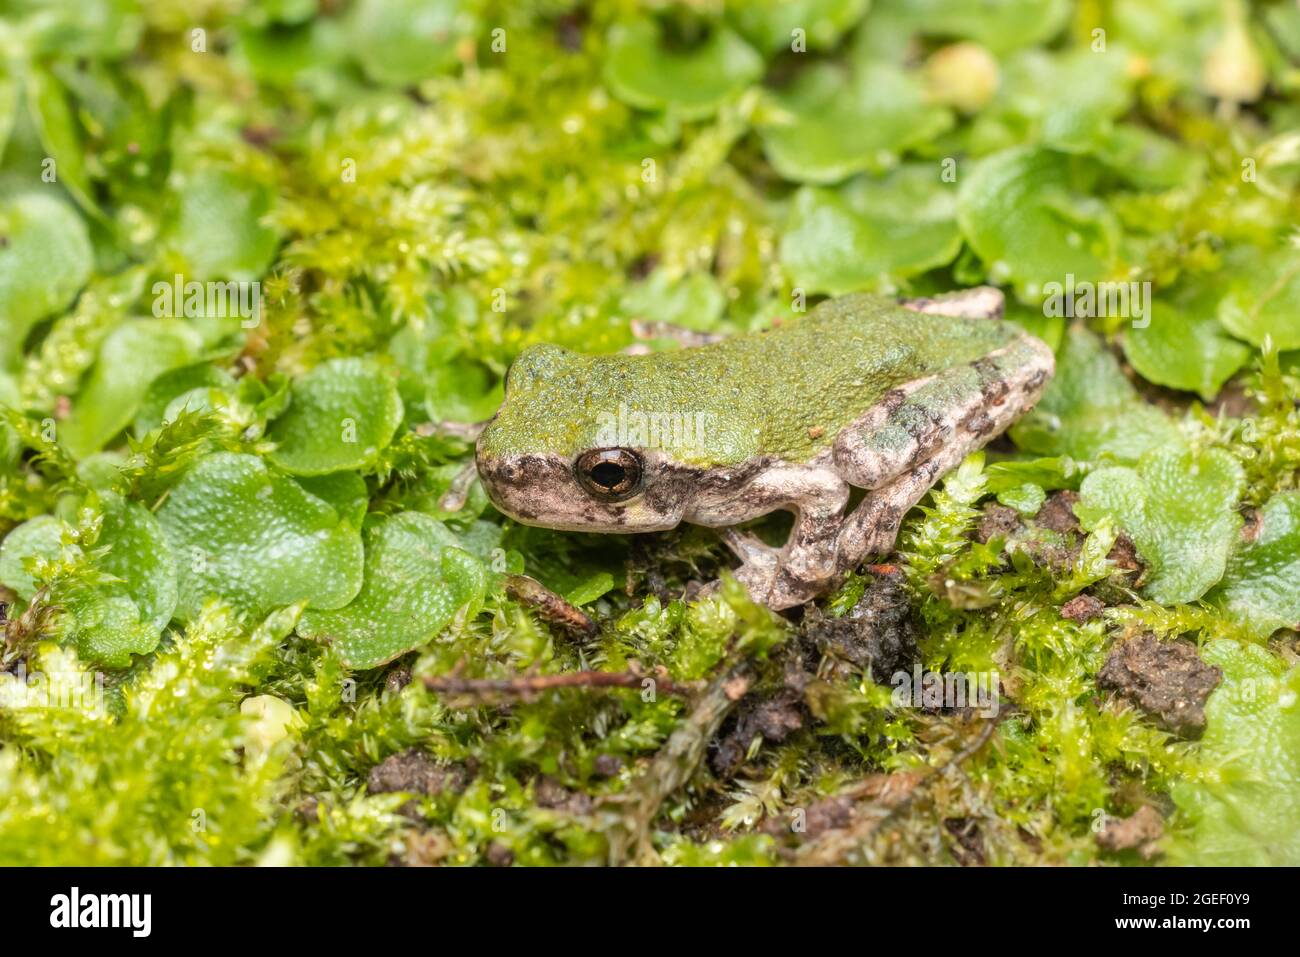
[865,399]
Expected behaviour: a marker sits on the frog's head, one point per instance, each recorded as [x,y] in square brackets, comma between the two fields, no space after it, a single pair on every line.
[553,454]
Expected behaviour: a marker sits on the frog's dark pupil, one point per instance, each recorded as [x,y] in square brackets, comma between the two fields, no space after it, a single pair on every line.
[608,474]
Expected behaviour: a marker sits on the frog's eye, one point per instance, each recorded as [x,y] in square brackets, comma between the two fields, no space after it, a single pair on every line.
[609,474]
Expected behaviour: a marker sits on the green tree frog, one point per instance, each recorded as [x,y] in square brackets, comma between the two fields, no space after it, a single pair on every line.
[864,392]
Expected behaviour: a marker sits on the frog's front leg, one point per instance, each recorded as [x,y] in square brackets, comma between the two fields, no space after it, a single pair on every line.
[799,570]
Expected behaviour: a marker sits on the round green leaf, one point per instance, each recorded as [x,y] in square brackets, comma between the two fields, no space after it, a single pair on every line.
[283,54]
[416,579]
[345,491]
[218,230]
[139,554]
[45,259]
[834,123]
[1263,298]
[1090,411]
[10,445]
[770,24]
[694,301]
[870,232]
[257,539]
[1244,813]
[59,135]
[1026,499]
[1000,25]
[1022,212]
[1261,586]
[1069,98]
[1179,506]
[1173,36]
[124,613]
[108,628]
[188,383]
[462,390]
[130,358]
[1184,347]
[438,373]
[401,42]
[642,71]
[1146,159]
[341,415]
[41,537]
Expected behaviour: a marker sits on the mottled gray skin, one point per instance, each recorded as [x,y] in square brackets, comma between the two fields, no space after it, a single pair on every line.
[863,392]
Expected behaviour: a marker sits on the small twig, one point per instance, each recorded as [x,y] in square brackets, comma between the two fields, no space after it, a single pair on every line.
[453,500]
[645,329]
[469,431]
[672,767]
[550,607]
[832,848]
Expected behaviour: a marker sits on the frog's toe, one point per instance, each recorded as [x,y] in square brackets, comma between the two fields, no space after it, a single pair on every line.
[749,548]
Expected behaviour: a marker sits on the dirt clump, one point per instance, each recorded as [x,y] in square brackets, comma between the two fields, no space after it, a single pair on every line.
[554,796]
[1124,554]
[1082,608]
[1167,679]
[415,772]
[878,635]
[1139,831]
[967,845]
[774,718]
[1057,513]
[997,521]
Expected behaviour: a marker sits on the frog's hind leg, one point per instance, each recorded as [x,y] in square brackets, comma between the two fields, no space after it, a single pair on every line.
[982,302]
[925,433]
[963,406]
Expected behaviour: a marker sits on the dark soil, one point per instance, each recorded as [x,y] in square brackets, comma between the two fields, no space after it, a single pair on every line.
[774,718]
[1124,554]
[1057,513]
[1082,608]
[877,636]
[415,772]
[1140,831]
[968,842]
[997,521]
[552,795]
[1167,679]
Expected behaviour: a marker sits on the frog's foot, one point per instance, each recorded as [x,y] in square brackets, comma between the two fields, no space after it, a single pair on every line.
[749,548]
[873,526]
[779,587]
[982,302]
[801,569]
[758,562]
